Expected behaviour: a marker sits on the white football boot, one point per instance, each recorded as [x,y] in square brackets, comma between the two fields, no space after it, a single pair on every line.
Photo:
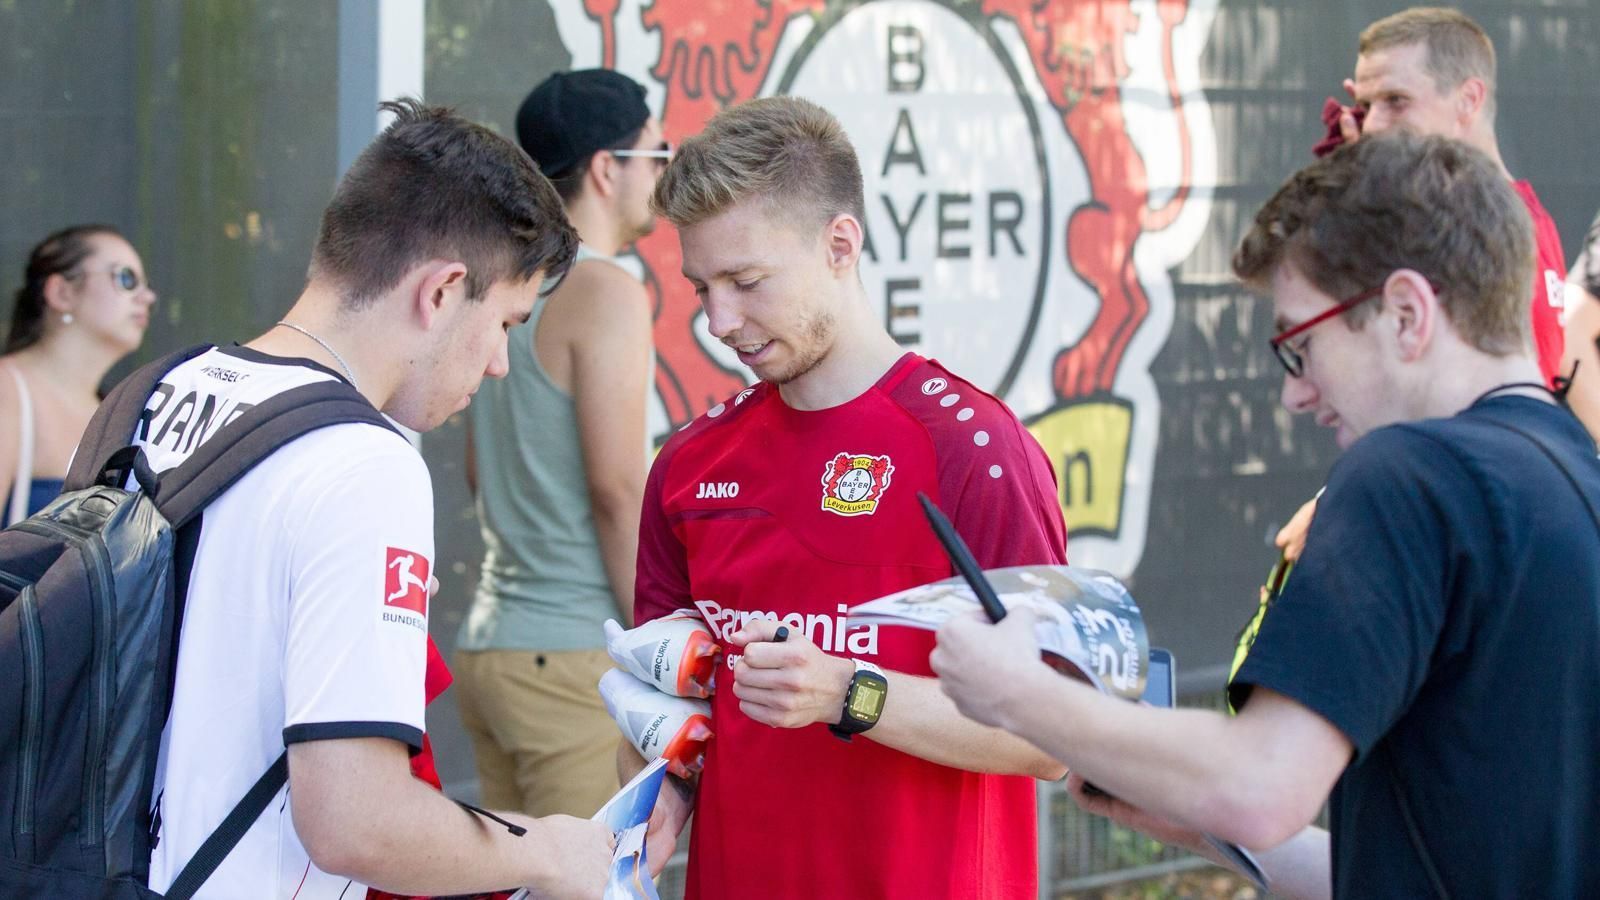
[658,725]
[675,653]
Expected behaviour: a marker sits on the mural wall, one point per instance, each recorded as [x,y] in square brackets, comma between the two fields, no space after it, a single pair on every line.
[1053,191]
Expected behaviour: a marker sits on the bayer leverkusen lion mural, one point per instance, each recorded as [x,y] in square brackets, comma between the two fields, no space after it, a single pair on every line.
[1033,170]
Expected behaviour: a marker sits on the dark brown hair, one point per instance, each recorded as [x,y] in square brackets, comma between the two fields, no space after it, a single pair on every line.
[568,182]
[436,186]
[1397,200]
[57,254]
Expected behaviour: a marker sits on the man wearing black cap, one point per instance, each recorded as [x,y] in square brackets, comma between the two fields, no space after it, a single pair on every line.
[558,450]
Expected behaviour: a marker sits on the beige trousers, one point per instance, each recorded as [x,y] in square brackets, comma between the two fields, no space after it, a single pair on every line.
[543,741]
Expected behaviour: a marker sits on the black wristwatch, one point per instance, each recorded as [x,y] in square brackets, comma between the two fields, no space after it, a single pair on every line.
[863,701]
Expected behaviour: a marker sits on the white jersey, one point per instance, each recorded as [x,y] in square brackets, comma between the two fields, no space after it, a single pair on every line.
[306,616]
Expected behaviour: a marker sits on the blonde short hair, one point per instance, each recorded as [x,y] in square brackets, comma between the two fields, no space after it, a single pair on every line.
[790,153]
[1458,48]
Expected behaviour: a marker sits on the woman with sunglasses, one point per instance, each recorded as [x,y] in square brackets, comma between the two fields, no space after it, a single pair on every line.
[83,305]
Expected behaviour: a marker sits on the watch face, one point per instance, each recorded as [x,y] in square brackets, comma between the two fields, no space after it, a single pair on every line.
[866,701]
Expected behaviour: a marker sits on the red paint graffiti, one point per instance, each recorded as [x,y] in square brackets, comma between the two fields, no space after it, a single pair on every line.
[715,53]
[1077,49]
[604,13]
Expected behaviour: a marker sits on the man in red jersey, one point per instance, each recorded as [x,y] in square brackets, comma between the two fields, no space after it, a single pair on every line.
[796,499]
[1431,70]
[1395,681]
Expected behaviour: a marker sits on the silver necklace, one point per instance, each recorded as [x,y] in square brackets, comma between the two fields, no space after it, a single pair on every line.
[324,344]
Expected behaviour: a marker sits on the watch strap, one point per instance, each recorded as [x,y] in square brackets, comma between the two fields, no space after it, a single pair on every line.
[847,726]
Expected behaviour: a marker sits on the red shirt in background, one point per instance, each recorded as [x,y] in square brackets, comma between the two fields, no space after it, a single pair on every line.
[1549,272]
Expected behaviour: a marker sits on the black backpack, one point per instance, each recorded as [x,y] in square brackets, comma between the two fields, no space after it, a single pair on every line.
[91,600]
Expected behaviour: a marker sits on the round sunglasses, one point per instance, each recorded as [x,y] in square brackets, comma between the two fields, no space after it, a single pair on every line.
[122,276]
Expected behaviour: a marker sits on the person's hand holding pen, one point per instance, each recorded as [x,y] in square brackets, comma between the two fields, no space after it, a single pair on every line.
[981,659]
[784,680]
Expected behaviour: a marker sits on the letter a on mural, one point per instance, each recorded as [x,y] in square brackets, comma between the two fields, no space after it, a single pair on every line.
[1033,172]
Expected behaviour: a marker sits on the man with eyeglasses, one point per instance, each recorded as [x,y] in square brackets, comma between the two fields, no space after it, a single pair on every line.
[1430,670]
[1432,70]
[557,459]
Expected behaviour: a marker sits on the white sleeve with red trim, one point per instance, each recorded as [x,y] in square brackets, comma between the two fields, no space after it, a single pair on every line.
[361,553]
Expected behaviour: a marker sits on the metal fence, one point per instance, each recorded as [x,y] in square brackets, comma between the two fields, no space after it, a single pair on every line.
[1082,852]
[1078,851]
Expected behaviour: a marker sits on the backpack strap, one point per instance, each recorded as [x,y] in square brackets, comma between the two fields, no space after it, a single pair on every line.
[232,830]
[254,436]
[112,426]
[22,482]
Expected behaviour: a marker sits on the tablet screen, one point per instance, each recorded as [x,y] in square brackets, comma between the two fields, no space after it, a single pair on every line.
[1159,685]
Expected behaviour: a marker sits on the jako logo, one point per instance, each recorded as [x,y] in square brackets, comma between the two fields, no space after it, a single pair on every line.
[717,490]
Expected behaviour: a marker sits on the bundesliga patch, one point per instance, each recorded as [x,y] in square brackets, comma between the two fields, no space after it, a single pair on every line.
[852,485]
[405,585]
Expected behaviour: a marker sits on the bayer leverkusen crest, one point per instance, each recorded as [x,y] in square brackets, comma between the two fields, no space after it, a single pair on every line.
[852,484]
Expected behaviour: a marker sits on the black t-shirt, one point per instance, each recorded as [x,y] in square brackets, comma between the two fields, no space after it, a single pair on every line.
[1446,617]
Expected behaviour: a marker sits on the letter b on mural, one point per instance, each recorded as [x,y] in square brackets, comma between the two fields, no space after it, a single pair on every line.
[1033,172]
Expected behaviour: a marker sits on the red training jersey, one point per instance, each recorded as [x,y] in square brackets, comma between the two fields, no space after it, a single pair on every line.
[759,509]
[1550,266]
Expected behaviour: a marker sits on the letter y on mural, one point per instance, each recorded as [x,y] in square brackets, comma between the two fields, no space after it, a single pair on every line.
[1034,170]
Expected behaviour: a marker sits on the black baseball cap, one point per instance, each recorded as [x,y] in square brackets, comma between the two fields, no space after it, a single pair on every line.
[570,115]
